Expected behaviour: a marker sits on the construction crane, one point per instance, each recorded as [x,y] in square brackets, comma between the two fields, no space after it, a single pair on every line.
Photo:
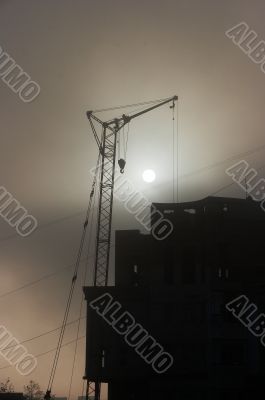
[107,147]
[107,144]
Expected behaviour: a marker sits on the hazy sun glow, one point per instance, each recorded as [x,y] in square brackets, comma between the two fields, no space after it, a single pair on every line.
[149,175]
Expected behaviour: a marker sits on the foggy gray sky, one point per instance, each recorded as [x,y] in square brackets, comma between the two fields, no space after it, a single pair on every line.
[85,55]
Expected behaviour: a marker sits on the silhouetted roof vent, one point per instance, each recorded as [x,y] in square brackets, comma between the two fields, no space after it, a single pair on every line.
[190,210]
[168,211]
[225,208]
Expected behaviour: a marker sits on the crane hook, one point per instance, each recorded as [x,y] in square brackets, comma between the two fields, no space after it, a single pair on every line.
[121,163]
[173,105]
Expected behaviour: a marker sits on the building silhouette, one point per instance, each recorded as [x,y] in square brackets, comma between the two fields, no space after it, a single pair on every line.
[12,396]
[177,289]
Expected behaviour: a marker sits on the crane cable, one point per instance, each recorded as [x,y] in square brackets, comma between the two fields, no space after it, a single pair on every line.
[82,299]
[173,152]
[125,140]
[175,171]
[122,140]
[119,144]
[71,291]
[128,106]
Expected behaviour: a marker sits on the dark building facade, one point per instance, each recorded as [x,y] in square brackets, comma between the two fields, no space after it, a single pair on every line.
[177,289]
[12,396]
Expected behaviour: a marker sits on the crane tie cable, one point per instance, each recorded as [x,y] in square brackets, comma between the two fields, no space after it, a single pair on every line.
[71,291]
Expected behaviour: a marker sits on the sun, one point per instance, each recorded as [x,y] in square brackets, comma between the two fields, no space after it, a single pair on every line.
[149,175]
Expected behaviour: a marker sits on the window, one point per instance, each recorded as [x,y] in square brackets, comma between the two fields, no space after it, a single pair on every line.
[202,272]
[232,353]
[223,273]
[188,266]
[170,312]
[169,273]
[225,208]
[136,275]
[229,395]
[157,314]
[193,313]
[124,356]
[228,317]
[103,358]
[188,273]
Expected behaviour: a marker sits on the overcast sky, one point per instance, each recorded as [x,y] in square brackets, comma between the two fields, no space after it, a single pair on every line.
[86,55]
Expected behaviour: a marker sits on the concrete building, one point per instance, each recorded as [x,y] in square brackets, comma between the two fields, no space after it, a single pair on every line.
[177,289]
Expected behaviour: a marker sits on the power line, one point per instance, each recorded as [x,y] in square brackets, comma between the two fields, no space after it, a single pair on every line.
[81,213]
[63,345]
[210,166]
[53,222]
[31,283]
[197,171]
[45,333]
[34,282]
[49,351]
[233,183]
